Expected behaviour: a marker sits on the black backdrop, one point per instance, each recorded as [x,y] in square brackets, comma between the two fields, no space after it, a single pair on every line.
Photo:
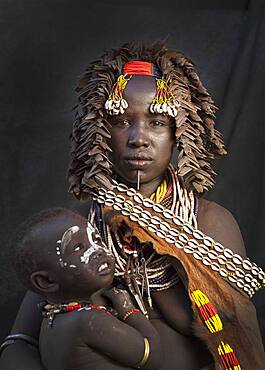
[44,47]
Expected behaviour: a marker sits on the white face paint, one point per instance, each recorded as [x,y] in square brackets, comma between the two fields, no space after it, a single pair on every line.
[93,238]
[94,246]
[67,236]
[62,243]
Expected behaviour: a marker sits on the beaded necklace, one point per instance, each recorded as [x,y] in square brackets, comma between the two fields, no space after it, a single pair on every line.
[50,310]
[179,236]
[144,273]
[243,274]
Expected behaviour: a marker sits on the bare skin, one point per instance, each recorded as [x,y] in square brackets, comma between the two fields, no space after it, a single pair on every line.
[75,264]
[174,326]
[83,340]
[137,132]
[141,141]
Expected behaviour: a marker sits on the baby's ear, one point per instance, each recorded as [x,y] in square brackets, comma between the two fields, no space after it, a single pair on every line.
[44,282]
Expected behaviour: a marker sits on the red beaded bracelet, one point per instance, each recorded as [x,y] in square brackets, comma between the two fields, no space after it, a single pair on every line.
[129,313]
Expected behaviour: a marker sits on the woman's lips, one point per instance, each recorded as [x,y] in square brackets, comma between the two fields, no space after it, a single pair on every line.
[138,162]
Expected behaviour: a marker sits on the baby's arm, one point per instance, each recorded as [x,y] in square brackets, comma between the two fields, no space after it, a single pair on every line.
[122,303]
[124,342]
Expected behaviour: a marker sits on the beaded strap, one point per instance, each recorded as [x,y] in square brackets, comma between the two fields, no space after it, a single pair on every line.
[241,273]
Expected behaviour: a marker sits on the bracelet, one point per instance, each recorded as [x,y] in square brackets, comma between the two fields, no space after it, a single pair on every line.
[129,313]
[146,353]
[10,339]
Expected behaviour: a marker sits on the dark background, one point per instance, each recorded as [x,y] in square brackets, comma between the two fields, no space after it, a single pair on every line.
[45,46]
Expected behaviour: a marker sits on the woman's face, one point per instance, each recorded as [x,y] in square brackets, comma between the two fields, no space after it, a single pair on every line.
[140,140]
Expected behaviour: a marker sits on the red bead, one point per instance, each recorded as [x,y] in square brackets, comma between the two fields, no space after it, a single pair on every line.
[73,307]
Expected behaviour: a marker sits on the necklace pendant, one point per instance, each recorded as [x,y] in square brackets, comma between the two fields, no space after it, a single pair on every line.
[150,303]
[50,319]
[141,305]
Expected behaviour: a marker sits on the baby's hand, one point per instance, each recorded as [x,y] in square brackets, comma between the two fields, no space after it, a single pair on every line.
[99,299]
[121,300]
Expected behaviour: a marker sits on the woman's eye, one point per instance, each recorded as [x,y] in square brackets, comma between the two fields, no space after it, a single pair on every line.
[157,123]
[121,123]
[125,122]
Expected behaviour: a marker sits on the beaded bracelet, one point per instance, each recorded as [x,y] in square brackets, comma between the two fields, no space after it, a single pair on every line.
[10,339]
[146,354]
[129,313]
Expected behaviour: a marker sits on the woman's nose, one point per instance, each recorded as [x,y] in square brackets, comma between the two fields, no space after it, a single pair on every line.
[139,135]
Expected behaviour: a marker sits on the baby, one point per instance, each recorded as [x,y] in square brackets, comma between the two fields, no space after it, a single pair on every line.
[62,257]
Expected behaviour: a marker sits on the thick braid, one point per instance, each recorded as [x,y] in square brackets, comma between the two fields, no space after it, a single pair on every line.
[196,138]
[90,167]
[207,110]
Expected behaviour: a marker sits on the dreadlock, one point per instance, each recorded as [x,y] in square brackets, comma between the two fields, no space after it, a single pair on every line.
[197,140]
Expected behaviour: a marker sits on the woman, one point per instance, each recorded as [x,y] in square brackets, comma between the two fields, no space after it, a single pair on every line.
[135,105]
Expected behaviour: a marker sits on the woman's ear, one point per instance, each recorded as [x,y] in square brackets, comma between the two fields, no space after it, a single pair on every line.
[44,282]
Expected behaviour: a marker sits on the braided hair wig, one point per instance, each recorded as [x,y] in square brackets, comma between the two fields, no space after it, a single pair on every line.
[197,140]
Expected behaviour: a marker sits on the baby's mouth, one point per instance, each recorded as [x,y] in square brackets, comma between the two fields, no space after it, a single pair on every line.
[104,268]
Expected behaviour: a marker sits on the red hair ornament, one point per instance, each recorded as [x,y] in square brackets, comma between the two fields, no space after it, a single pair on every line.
[162,103]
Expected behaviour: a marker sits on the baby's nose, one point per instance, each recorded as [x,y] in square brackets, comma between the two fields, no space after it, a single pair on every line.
[99,253]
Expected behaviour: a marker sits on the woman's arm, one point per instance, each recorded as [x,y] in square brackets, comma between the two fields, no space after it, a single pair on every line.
[20,355]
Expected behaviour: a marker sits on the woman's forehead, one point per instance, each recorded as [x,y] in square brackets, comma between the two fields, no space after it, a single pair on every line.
[140,88]
[139,93]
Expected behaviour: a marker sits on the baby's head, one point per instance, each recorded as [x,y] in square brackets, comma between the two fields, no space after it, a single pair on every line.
[62,257]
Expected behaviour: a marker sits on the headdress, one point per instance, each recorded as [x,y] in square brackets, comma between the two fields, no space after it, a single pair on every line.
[164,101]
[196,138]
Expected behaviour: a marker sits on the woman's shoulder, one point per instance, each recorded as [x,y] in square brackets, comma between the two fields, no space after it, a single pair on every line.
[219,223]
[83,208]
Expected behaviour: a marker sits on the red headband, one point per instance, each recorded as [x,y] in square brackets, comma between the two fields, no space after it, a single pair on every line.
[137,67]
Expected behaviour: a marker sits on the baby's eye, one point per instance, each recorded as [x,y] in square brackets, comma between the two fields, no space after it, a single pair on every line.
[78,247]
[97,238]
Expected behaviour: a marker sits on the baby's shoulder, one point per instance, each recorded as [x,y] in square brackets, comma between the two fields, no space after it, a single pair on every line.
[93,317]
[86,322]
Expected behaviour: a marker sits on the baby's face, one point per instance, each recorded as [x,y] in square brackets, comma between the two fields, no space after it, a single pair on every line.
[84,259]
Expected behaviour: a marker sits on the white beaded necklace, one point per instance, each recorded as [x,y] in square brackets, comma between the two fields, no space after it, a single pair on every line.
[153,272]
